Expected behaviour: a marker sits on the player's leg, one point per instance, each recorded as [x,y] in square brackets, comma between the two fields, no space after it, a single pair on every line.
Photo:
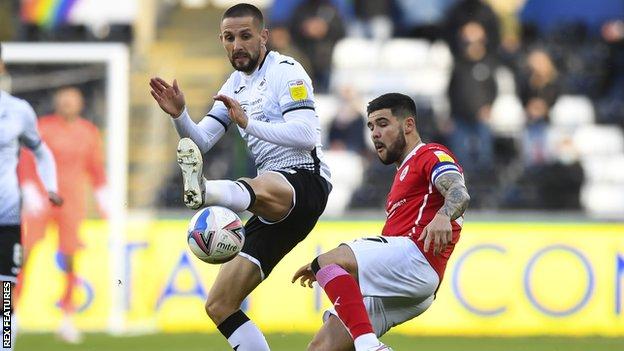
[336,273]
[33,230]
[10,265]
[269,195]
[235,281]
[69,221]
[333,336]
[265,245]
[395,278]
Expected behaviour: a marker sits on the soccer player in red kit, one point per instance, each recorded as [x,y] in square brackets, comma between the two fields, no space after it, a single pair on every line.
[380,282]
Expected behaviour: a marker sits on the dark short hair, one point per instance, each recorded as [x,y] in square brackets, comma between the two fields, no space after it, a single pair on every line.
[244,10]
[401,106]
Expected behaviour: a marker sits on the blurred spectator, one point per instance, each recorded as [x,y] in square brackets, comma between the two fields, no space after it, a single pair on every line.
[346,131]
[547,16]
[282,11]
[538,88]
[611,106]
[373,19]
[472,90]
[281,41]
[77,148]
[316,27]
[477,11]
[422,18]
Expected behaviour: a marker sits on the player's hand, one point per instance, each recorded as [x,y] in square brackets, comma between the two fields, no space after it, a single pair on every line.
[55,199]
[306,275]
[439,232]
[235,111]
[169,97]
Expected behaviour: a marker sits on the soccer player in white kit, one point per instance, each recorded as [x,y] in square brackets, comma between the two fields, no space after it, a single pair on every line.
[269,97]
[18,126]
[380,282]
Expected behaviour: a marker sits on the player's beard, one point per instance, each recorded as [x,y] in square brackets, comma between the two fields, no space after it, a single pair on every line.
[251,64]
[394,151]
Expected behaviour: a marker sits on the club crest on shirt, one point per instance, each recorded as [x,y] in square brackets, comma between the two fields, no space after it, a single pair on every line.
[443,156]
[404,173]
[297,90]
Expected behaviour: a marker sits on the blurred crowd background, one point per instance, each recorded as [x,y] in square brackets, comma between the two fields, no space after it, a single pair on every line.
[529,94]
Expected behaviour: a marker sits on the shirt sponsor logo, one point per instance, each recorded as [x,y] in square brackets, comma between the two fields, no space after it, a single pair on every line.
[297,90]
[443,156]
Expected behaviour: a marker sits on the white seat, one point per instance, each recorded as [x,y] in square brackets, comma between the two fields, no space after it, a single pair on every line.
[439,56]
[404,54]
[604,168]
[598,140]
[350,53]
[572,111]
[347,172]
[326,107]
[603,200]
[507,115]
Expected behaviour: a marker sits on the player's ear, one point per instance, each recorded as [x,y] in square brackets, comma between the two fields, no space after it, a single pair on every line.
[409,125]
[264,36]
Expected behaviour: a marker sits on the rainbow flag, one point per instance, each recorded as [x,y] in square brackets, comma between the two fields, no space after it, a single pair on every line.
[46,13]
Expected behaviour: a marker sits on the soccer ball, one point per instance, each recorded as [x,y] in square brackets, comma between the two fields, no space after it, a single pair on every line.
[215,234]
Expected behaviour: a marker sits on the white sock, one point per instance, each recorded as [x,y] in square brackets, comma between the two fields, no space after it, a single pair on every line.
[366,341]
[242,333]
[248,338]
[226,193]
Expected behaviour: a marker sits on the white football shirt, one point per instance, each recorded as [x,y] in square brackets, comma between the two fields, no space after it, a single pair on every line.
[18,126]
[278,86]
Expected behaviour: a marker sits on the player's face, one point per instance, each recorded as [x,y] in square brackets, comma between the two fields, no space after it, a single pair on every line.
[69,102]
[243,41]
[387,134]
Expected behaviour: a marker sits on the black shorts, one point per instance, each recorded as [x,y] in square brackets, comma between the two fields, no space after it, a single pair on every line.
[10,252]
[267,243]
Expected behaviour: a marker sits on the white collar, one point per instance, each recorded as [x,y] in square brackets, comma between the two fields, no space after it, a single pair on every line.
[412,153]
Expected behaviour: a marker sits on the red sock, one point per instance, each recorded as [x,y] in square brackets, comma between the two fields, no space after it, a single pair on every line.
[344,293]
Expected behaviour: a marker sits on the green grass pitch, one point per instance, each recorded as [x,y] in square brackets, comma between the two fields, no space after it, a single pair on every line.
[296,342]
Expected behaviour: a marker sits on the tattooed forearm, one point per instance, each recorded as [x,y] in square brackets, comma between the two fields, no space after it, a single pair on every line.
[456,198]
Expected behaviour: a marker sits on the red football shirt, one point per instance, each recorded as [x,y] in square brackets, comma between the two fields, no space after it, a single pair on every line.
[414,200]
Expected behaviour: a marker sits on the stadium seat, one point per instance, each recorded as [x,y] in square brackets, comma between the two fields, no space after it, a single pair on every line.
[603,200]
[607,169]
[347,173]
[439,56]
[352,53]
[326,108]
[572,111]
[599,140]
[404,54]
[507,115]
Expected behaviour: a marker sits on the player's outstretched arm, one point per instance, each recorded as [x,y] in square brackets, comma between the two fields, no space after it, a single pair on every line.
[439,231]
[169,97]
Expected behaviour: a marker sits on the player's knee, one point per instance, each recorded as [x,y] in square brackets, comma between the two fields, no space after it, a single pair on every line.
[218,310]
[341,256]
[316,345]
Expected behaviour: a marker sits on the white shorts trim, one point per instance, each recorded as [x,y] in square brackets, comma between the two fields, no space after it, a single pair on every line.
[294,201]
[254,261]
